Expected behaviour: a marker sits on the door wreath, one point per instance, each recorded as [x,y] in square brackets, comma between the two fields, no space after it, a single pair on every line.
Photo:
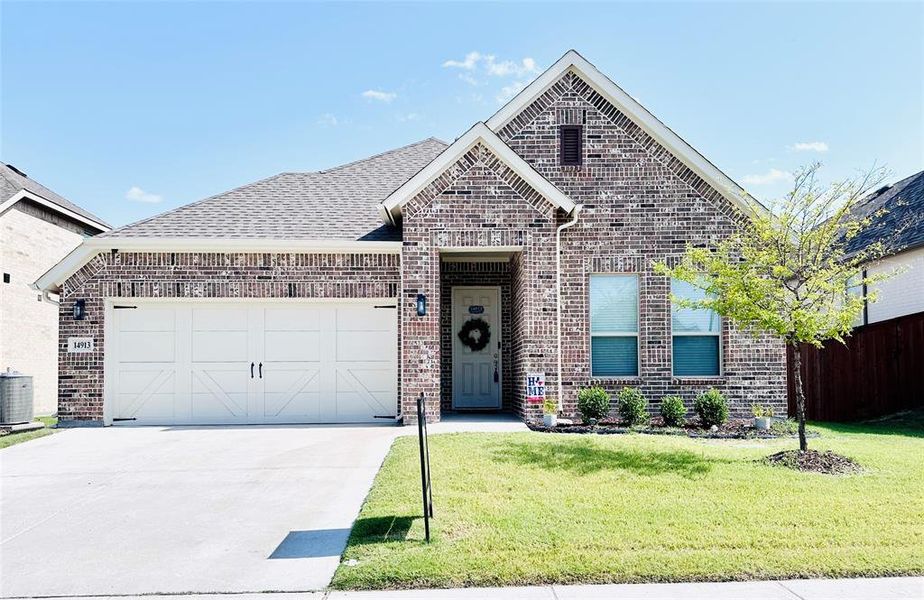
[475,333]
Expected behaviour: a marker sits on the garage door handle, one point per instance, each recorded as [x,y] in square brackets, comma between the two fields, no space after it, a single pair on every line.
[261,370]
[251,370]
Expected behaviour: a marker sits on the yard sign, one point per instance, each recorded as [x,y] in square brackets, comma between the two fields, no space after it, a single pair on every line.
[535,388]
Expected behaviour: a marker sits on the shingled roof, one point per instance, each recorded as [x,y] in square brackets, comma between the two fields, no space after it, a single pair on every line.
[335,204]
[13,181]
[904,213]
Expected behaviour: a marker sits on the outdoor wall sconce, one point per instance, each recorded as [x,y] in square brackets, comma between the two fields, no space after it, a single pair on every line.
[421,305]
[80,310]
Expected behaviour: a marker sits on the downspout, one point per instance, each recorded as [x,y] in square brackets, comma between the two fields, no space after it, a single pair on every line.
[574,218]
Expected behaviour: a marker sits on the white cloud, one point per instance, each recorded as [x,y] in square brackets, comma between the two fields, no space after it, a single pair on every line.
[489,65]
[379,95]
[477,68]
[468,63]
[810,147]
[771,176]
[136,194]
[509,91]
[509,68]
[329,120]
[409,117]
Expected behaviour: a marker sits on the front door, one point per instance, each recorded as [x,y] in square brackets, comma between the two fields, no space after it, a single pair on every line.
[476,347]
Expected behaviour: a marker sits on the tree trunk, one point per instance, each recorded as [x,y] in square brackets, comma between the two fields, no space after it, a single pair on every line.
[800,393]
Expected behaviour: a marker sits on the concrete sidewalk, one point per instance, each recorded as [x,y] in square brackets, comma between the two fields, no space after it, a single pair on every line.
[894,588]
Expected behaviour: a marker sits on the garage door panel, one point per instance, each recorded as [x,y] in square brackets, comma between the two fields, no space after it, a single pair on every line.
[147,319]
[158,406]
[220,346]
[292,319]
[146,392]
[364,318]
[147,346]
[190,364]
[378,346]
[292,346]
[220,318]
[208,408]
[371,378]
[354,398]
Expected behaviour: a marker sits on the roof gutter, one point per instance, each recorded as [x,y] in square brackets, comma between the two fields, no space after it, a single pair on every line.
[82,254]
[575,213]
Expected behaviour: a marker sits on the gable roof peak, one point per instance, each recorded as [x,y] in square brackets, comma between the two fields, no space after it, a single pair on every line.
[572,61]
[15,185]
[479,133]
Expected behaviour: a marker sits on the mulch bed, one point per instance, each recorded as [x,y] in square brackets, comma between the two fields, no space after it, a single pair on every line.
[734,429]
[814,461]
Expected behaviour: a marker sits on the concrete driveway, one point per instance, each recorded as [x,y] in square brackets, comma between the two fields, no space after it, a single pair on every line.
[144,510]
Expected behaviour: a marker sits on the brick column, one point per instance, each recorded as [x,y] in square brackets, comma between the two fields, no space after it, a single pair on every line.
[420,335]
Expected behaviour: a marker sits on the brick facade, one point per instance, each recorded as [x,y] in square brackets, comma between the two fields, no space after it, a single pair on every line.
[641,204]
[197,275]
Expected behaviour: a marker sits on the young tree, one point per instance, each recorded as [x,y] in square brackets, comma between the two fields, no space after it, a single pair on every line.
[791,272]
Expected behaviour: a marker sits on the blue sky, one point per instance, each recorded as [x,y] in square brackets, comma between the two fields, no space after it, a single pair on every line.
[134,108]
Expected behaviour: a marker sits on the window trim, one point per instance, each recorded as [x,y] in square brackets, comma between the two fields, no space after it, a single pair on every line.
[719,334]
[561,145]
[638,327]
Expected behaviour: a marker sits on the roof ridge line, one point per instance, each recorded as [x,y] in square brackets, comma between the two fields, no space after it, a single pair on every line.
[379,155]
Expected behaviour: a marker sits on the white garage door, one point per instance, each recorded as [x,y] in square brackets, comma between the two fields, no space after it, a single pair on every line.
[208,363]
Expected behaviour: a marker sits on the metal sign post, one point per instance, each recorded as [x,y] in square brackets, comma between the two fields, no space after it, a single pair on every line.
[425,486]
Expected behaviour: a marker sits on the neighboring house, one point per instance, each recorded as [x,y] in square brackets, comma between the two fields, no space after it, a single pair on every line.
[37,229]
[434,269]
[877,370]
[898,224]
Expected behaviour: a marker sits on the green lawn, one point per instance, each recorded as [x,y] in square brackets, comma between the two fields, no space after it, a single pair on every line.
[529,508]
[18,438]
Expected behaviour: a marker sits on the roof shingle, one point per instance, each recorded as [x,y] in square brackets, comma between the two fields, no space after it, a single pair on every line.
[901,225]
[12,181]
[334,204]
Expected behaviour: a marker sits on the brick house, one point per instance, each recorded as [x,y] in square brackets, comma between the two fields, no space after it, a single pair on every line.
[38,227]
[448,270]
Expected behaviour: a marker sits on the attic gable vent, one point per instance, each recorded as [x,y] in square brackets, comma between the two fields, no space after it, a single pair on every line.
[571,141]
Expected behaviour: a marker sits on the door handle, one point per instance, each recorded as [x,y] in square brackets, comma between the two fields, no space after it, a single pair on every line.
[261,370]
[251,370]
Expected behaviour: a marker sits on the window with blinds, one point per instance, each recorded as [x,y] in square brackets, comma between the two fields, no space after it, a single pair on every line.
[570,140]
[696,335]
[613,325]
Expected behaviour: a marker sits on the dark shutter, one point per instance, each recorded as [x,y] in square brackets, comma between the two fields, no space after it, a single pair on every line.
[570,141]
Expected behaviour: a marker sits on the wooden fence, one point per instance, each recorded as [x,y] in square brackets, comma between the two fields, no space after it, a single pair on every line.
[879,371]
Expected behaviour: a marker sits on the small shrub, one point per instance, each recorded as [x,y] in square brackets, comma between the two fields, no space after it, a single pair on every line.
[632,406]
[712,407]
[550,407]
[673,411]
[593,404]
[760,411]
